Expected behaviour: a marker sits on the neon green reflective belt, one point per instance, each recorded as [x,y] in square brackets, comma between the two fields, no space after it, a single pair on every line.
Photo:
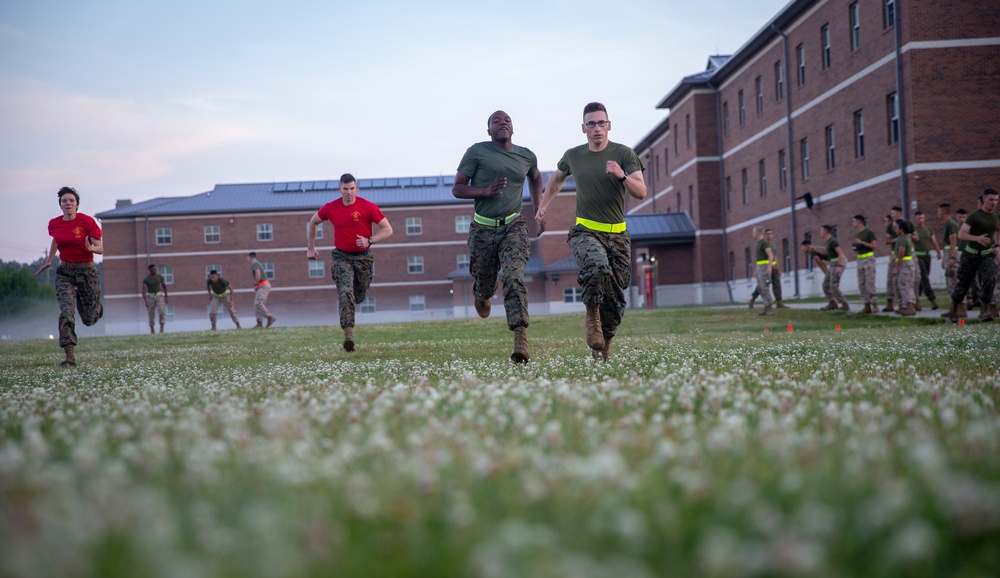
[969,249]
[865,255]
[764,262]
[908,258]
[602,227]
[491,222]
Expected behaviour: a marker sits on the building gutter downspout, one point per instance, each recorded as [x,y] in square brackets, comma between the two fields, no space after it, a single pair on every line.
[903,189]
[722,190]
[790,160]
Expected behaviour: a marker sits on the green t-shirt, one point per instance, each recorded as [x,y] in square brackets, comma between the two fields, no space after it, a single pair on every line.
[923,242]
[831,249]
[256,266]
[599,195]
[220,286]
[154,283]
[484,162]
[950,228]
[762,247]
[982,223]
[903,241]
[867,236]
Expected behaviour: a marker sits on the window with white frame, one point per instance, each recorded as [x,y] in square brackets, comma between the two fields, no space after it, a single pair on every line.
[368,305]
[741,102]
[213,234]
[888,14]
[763,177]
[824,43]
[265,232]
[725,117]
[319,231]
[782,169]
[418,303]
[687,129]
[746,185]
[804,153]
[859,134]
[268,270]
[854,16]
[462,223]
[317,269]
[217,267]
[170,312]
[462,261]
[414,226]
[167,272]
[750,264]
[729,192]
[892,106]
[800,63]
[779,81]
[831,159]
[759,87]
[572,295]
[164,236]
[414,265]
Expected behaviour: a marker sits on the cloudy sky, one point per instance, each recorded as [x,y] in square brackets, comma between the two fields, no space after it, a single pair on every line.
[125,99]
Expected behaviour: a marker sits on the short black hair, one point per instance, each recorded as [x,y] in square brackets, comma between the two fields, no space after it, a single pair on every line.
[828,228]
[898,209]
[213,272]
[861,218]
[903,226]
[961,212]
[944,206]
[918,213]
[990,191]
[594,107]
[252,254]
[151,265]
[68,191]
[347,178]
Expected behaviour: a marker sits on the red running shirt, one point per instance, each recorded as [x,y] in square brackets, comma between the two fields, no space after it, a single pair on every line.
[349,222]
[71,235]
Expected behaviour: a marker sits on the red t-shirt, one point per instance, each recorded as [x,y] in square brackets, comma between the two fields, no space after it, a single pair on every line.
[71,235]
[349,222]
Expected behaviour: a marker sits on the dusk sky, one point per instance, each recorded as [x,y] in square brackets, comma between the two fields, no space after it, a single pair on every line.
[137,100]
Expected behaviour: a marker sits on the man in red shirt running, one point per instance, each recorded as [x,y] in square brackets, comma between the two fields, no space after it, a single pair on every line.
[352,263]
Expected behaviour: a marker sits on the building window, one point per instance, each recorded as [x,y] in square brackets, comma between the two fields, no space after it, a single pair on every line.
[809,259]
[746,186]
[855,18]
[824,43]
[725,117]
[759,86]
[268,270]
[732,266]
[368,305]
[687,129]
[213,234]
[788,255]
[742,108]
[800,63]
[750,264]
[779,81]
[167,272]
[414,226]
[572,295]
[859,134]
[892,104]
[265,232]
[831,159]
[678,201]
[782,170]
[462,261]
[319,231]
[418,303]
[164,236]
[691,201]
[414,265]
[763,178]
[317,269]
[677,147]
[169,311]
[804,153]
[888,14]
[729,192]
[462,223]
[213,267]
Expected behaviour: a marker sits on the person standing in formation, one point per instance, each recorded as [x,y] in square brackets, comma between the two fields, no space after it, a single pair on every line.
[775,274]
[604,173]
[493,173]
[154,293]
[220,293]
[905,268]
[262,288]
[980,230]
[864,245]
[923,240]
[762,272]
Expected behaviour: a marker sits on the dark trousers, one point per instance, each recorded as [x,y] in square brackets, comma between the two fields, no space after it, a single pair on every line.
[924,262]
[985,266]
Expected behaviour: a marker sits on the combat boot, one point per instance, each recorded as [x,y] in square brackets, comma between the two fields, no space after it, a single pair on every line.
[984,313]
[260,324]
[934,304]
[520,353]
[752,300]
[960,311]
[867,310]
[237,324]
[888,306]
[152,329]
[916,305]
[70,360]
[348,339]
[907,310]
[161,328]
[271,319]
[213,325]
[483,307]
[993,311]
[831,306]
[595,338]
[605,353]
[781,304]
[844,306]
[766,311]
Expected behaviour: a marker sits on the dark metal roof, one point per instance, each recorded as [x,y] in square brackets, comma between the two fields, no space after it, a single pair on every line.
[299,196]
[661,228]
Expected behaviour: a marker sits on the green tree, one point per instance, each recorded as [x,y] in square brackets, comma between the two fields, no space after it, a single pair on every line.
[19,288]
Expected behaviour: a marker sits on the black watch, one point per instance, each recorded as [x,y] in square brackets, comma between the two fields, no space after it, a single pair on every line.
[623,179]
[370,243]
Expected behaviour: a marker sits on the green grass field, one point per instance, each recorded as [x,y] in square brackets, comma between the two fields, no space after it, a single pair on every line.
[706,447]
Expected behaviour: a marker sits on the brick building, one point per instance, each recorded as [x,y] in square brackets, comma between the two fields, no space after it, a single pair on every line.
[861,104]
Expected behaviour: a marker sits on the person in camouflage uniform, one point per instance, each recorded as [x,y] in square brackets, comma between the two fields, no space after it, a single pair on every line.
[352,265]
[980,230]
[762,272]
[77,237]
[950,239]
[154,293]
[905,269]
[220,293]
[837,261]
[493,174]
[775,274]
[604,173]
[864,246]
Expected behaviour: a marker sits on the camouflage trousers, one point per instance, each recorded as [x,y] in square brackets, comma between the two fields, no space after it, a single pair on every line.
[924,283]
[890,280]
[831,283]
[775,284]
[352,272]
[260,294]
[763,283]
[866,281]
[951,271]
[156,307]
[226,300]
[969,268]
[605,266]
[501,251]
[77,290]
[904,283]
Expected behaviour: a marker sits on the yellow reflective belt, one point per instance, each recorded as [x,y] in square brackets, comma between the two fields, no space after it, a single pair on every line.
[602,227]
[865,255]
[157,294]
[775,263]
[764,262]
[491,222]
[908,258]
[223,294]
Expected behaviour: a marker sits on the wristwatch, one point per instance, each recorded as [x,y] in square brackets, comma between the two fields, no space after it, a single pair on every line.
[370,243]
[623,179]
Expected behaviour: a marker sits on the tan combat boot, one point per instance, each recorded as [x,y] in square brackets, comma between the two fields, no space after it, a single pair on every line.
[844,306]
[483,307]
[603,354]
[752,300]
[520,353]
[70,360]
[270,320]
[917,306]
[161,328]
[781,304]
[595,338]
[152,329]
[960,311]
[888,306]
[831,306]
[213,325]
[867,310]
[907,310]
[348,339]
[766,311]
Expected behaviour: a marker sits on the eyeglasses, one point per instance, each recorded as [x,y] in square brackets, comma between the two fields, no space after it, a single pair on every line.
[600,123]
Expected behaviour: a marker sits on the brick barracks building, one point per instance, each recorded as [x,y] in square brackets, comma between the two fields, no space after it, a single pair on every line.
[833,108]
